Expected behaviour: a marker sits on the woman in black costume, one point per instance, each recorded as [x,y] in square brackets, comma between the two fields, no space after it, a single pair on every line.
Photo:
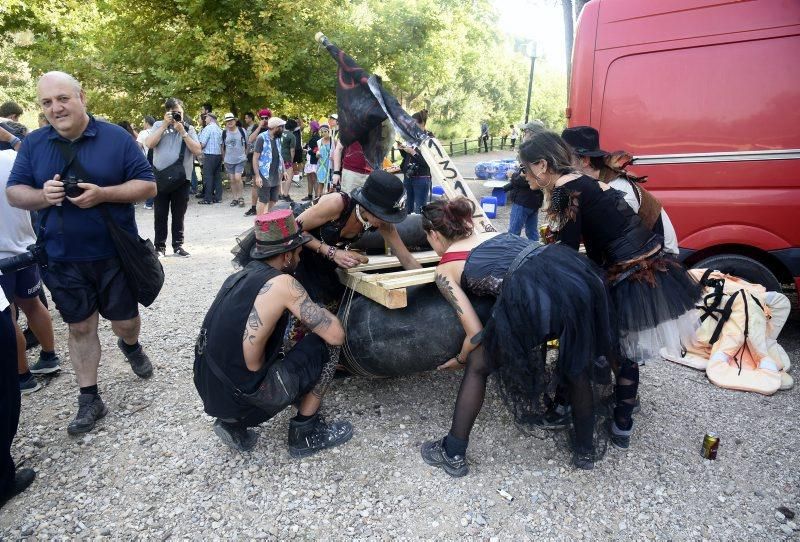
[652,293]
[543,292]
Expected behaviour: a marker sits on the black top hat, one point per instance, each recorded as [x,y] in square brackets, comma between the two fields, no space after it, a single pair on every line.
[584,140]
[383,196]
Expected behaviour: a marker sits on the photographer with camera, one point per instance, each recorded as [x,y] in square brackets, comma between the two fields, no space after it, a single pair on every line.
[174,142]
[84,175]
[21,283]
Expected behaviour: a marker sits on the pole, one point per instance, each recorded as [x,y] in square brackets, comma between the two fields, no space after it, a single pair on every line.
[530,89]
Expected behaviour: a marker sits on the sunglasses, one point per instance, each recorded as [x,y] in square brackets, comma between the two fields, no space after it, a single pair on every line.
[264,118]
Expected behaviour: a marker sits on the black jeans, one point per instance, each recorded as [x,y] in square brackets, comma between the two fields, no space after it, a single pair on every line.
[177,200]
[212,177]
[9,400]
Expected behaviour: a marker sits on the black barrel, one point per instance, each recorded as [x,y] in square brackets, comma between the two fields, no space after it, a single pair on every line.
[383,342]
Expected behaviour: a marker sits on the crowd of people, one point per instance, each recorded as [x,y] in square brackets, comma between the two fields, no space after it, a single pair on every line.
[271,338]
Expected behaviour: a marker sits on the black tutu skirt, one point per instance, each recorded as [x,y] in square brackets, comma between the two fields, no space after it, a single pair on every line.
[653,302]
[554,293]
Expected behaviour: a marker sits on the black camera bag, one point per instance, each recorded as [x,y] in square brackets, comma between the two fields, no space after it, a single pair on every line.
[173,176]
[137,256]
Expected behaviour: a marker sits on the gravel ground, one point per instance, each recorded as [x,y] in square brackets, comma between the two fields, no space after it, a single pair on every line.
[153,469]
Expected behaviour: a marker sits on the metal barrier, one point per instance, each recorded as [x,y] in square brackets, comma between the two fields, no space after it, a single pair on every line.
[462,147]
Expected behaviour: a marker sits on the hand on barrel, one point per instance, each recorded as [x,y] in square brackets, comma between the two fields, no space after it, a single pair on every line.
[349,259]
[450,365]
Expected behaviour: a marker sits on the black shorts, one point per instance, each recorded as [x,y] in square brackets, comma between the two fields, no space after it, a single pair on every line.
[81,288]
[23,283]
[286,382]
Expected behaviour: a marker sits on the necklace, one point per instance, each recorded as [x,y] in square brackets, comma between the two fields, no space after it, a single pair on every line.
[364,223]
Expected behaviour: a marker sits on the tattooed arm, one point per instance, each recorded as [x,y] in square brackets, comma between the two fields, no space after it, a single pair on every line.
[264,313]
[451,290]
[316,318]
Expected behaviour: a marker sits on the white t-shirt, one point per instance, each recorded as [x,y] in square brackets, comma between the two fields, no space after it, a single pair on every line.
[670,238]
[16,231]
[143,135]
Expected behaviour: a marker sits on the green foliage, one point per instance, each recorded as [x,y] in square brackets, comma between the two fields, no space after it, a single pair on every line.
[443,55]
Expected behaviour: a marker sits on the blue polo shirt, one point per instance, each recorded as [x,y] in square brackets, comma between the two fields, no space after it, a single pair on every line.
[109,156]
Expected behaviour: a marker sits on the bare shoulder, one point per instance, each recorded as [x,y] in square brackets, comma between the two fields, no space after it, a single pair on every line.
[274,285]
[327,208]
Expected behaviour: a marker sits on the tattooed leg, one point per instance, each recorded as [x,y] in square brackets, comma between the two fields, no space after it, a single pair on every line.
[311,402]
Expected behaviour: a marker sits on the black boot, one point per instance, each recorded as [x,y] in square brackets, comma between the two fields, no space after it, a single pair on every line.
[315,434]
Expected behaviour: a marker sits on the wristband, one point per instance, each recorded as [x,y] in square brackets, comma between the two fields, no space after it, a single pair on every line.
[338,172]
[331,252]
[13,141]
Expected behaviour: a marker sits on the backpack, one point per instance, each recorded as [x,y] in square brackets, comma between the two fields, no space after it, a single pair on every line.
[241,132]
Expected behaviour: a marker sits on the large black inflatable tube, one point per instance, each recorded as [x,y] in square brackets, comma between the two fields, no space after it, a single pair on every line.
[383,342]
[410,231]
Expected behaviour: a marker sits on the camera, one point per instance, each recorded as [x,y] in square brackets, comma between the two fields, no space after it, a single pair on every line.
[176,116]
[71,188]
[412,169]
[35,255]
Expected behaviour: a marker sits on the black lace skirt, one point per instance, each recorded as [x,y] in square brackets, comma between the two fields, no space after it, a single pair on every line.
[555,293]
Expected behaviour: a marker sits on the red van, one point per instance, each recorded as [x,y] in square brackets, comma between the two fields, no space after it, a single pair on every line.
[706,95]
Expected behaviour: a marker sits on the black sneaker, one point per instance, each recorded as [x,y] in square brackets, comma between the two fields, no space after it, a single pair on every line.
[583,461]
[139,361]
[618,437]
[307,198]
[90,409]
[555,417]
[181,253]
[237,437]
[434,455]
[250,212]
[29,385]
[311,436]
[22,479]
[46,366]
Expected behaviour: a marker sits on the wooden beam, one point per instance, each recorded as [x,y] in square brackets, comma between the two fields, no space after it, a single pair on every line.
[388,262]
[404,282]
[392,299]
[377,277]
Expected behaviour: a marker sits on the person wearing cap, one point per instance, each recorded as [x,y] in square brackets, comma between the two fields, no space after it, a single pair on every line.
[268,164]
[234,156]
[339,219]
[593,161]
[211,141]
[239,371]
[263,120]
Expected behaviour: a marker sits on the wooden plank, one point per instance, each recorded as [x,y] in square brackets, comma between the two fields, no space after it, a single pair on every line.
[392,299]
[377,277]
[388,262]
[404,282]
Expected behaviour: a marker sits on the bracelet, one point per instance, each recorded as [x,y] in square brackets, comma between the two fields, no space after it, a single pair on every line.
[13,141]
[319,248]
[331,252]
[338,172]
[458,359]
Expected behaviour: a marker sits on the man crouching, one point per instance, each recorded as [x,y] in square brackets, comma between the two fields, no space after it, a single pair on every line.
[238,370]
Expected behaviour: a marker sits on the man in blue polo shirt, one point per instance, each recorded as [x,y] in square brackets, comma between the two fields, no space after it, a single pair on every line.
[84,274]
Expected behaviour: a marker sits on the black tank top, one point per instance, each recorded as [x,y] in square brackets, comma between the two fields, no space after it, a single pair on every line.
[223,327]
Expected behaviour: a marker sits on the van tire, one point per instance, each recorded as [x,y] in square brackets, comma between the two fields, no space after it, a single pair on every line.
[742,267]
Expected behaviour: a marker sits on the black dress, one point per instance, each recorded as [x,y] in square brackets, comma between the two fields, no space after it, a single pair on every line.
[651,291]
[543,292]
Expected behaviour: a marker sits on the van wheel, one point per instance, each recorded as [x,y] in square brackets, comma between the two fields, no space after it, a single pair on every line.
[743,267]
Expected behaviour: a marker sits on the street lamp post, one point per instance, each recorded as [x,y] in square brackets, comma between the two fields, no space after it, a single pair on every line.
[532,54]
